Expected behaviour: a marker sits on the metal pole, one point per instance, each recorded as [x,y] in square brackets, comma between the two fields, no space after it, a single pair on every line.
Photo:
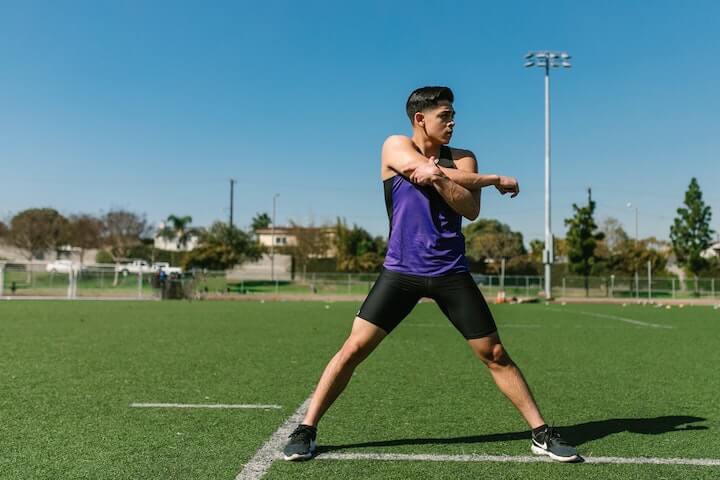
[69,289]
[673,287]
[712,285]
[649,280]
[272,241]
[637,285]
[637,237]
[527,286]
[2,277]
[232,203]
[502,275]
[612,285]
[548,254]
[140,282]
[563,288]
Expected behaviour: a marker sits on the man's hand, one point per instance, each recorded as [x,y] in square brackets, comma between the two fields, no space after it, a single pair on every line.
[508,185]
[424,174]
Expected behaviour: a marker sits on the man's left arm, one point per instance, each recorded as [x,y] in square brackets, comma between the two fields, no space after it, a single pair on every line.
[468,163]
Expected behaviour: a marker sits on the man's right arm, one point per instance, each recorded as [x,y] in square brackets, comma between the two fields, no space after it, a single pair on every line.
[399,154]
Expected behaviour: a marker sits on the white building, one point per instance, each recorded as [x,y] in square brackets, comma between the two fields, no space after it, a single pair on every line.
[287,237]
[174,245]
[713,251]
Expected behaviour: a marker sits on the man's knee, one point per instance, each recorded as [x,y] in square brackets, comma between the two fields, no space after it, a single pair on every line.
[491,353]
[354,351]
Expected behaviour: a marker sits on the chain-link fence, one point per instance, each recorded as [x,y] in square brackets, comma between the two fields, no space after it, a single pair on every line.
[40,279]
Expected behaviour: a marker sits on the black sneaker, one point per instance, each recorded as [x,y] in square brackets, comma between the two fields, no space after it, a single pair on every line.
[548,442]
[301,445]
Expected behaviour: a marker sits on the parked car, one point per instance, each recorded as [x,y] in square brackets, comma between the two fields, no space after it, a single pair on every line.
[165,267]
[63,266]
[136,266]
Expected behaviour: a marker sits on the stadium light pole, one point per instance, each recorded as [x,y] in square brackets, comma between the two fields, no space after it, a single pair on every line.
[272,241]
[547,60]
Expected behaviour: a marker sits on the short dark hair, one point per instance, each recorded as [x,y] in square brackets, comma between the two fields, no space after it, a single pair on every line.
[427,97]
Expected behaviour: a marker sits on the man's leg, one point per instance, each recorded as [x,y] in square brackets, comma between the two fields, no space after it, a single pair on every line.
[507,377]
[363,339]
[461,301]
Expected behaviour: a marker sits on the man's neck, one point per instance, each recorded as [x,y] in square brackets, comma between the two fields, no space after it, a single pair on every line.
[425,145]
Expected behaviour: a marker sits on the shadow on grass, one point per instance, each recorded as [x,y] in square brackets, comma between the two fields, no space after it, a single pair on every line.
[574,434]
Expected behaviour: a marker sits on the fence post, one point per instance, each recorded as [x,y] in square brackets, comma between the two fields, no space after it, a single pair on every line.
[673,287]
[712,286]
[563,287]
[649,280]
[612,286]
[637,285]
[349,283]
[140,283]
[2,277]
[69,287]
[527,286]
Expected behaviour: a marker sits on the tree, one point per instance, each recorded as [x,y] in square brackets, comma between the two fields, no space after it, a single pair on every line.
[122,230]
[3,230]
[84,232]
[310,242]
[488,239]
[222,247]
[357,250]
[581,241]
[691,234]
[261,220]
[36,230]
[178,229]
[614,234]
[632,256]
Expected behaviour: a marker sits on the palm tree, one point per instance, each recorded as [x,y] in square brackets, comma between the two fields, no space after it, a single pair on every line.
[178,229]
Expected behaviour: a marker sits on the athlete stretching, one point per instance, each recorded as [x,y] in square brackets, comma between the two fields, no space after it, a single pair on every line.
[429,187]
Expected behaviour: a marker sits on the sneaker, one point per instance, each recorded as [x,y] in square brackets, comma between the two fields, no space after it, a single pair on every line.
[301,445]
[548,442]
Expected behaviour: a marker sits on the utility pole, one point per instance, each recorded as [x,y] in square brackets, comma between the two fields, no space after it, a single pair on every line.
[232,188]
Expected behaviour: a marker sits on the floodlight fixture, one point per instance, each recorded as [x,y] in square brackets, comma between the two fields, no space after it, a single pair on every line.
[529,64]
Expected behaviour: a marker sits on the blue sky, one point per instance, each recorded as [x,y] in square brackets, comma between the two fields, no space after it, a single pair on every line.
[153,106]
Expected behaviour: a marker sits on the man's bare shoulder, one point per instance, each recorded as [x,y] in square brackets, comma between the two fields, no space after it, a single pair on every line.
[397,141]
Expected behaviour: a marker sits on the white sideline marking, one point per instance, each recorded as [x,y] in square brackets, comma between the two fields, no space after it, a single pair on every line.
[511,458]
[614,317]
[268,453]
[190,405]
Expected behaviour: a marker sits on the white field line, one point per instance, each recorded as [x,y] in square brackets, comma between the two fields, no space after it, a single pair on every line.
[268,453]
[190,405]
[513,459]
[614,317]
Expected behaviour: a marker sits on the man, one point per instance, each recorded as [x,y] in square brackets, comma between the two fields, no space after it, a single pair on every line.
[429,187]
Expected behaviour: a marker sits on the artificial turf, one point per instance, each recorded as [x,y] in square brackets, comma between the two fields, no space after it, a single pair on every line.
[69,371]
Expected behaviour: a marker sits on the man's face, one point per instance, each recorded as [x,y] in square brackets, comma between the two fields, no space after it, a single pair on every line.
[439,122]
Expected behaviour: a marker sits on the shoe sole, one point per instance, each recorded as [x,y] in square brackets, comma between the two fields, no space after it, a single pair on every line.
[539,451]
[296,457]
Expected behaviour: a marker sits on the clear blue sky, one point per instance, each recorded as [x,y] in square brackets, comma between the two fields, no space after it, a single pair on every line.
[152,106]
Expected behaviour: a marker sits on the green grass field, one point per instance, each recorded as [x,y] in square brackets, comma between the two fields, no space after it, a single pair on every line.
[70,370]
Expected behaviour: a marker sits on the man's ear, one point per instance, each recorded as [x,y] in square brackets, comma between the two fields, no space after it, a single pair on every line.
[420,119]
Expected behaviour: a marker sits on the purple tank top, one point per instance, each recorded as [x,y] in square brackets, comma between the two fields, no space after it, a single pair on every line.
[425,233]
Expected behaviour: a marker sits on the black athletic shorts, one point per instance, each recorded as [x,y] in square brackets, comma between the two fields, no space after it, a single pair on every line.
[395,294]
